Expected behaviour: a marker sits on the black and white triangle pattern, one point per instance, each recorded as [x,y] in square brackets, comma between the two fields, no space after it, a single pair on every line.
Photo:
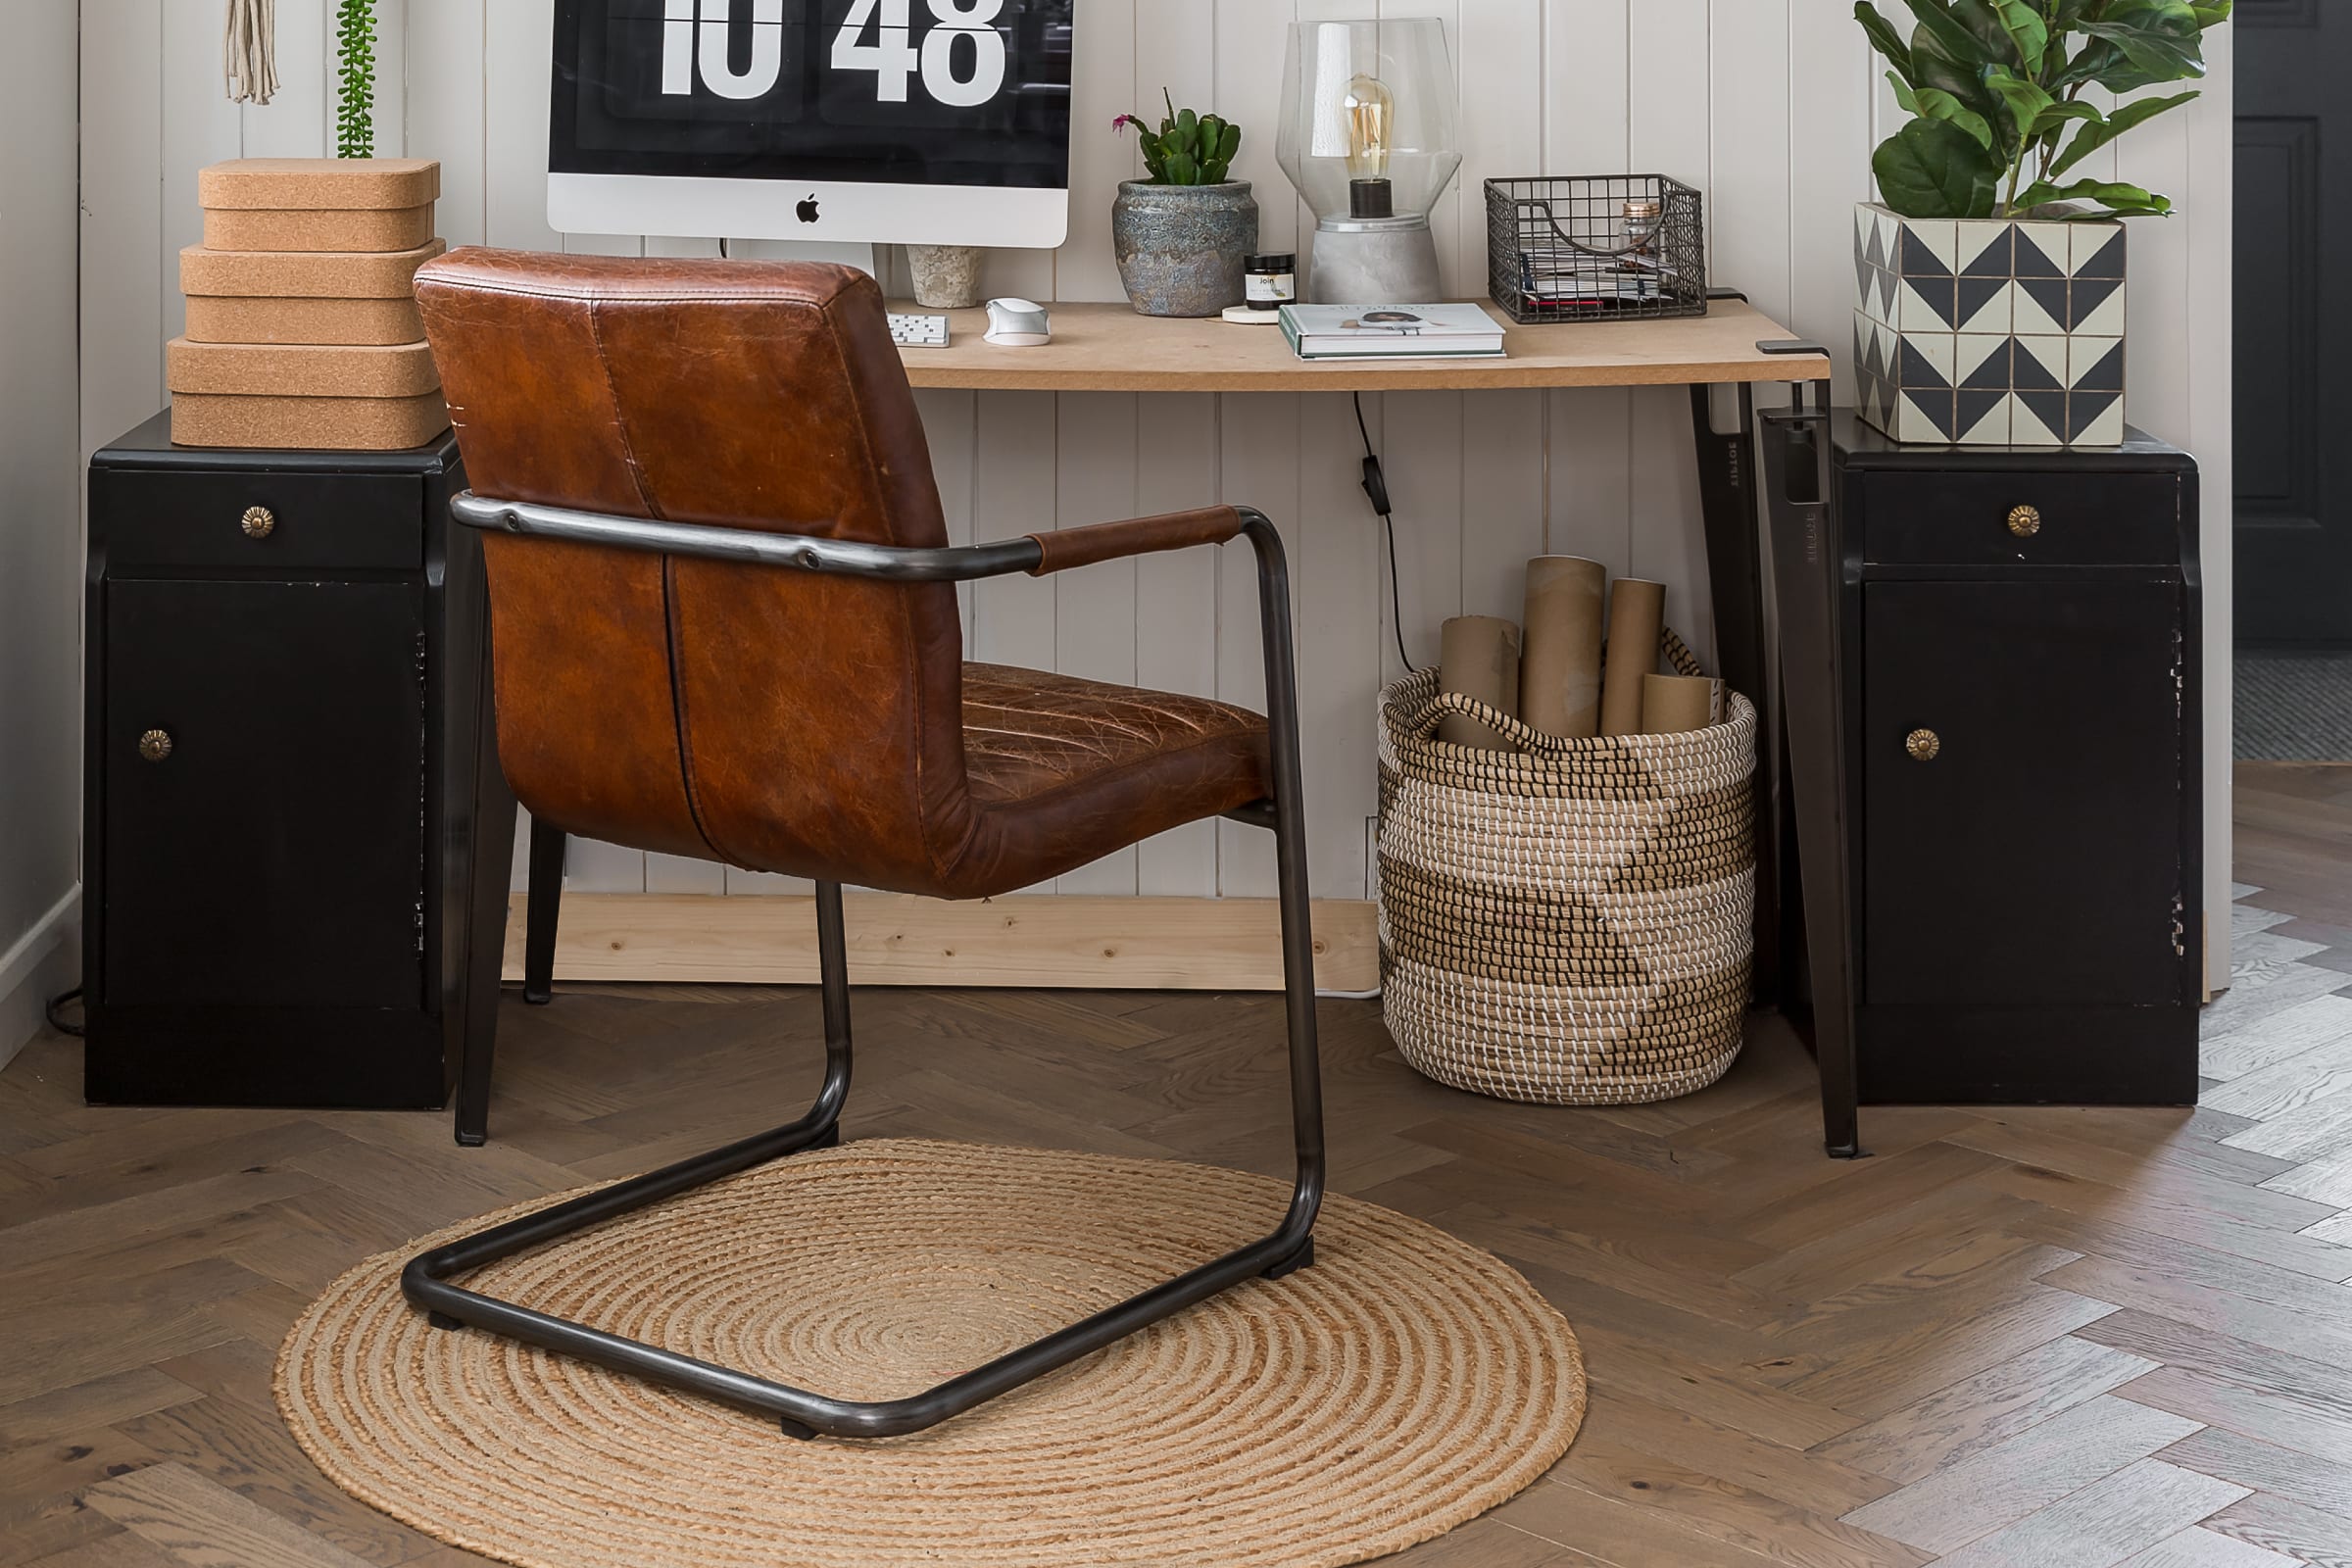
[1983,332]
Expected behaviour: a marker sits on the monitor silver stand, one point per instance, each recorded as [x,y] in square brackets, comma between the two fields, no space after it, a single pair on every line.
[862,257]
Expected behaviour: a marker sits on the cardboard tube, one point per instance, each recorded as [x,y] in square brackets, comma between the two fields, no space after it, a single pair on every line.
[1637,619]
[1559,668]
[1478,656]
[1673,703]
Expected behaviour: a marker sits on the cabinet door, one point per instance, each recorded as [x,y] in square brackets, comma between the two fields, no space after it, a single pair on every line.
[2035,859]
[276,857]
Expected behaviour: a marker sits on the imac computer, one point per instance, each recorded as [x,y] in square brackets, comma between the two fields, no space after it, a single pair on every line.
[829,122]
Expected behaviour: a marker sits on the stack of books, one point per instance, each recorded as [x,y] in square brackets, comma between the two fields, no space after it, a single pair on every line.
[302,327]
[1392,332]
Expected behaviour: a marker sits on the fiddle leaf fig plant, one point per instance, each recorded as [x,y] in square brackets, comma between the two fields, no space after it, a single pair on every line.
[1995,88]
[1187,149]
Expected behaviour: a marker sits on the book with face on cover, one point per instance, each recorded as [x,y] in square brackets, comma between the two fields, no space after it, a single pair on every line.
[1391,331]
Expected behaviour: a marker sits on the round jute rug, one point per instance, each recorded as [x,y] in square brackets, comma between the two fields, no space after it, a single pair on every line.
[1404,1384]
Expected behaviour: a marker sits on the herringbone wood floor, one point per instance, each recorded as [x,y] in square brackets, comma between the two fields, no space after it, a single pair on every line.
[2058,1337]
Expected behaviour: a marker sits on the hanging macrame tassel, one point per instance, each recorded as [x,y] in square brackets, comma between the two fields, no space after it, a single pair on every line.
[249,51]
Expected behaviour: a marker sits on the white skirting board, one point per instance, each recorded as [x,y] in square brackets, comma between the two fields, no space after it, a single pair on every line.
[41,963]
[1062,940]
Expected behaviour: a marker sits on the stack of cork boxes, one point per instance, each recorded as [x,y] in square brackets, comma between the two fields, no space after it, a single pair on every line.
[303,328]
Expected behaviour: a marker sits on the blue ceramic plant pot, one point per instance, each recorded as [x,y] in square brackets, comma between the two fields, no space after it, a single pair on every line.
[1181,247]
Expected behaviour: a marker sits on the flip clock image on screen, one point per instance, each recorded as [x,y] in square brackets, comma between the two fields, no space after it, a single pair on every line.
[872,121]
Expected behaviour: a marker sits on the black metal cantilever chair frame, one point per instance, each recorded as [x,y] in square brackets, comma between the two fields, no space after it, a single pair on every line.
[426,1280]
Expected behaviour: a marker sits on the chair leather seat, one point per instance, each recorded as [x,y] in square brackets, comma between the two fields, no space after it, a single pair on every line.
[1064,771]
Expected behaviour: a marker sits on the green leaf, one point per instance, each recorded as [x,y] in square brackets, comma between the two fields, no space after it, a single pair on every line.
[1984,22]
[1181,171]
[2155,57]
[2160,39]
[2120,200]
[2166,38]
[1964,83]
[1230,143]
[1933,169]
[2090,138]
[2026,30]
[2061,113]
[1883,36]
[1934,103]
[2208,16]
[1188,124]
[2025,101]
[1947,34]
[2088,63]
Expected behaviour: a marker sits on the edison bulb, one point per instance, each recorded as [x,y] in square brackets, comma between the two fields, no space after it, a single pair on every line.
[1370,111]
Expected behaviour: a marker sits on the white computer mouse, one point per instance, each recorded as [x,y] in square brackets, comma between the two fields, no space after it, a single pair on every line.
[1016,324]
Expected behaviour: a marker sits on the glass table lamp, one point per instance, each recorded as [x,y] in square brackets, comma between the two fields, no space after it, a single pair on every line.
[1368,137]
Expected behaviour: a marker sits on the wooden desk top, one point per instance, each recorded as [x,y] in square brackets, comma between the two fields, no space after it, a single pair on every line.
[1109,348]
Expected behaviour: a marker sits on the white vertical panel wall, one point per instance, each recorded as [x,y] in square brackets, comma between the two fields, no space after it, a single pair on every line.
[1769,106]
[40,548]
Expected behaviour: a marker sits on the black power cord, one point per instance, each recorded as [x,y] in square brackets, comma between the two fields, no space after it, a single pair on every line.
[1376,490]
[55,1013]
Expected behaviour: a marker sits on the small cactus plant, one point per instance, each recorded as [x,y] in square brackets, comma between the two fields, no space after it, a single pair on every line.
[1187,149]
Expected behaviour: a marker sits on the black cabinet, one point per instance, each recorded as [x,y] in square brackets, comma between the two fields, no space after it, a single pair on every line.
[2033,858]
[2015,648]
[295,834]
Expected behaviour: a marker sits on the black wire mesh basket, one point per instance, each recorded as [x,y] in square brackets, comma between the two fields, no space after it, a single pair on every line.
[1595,248]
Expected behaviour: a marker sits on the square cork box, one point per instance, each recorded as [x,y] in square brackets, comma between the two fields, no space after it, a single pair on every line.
[319,204]
[274,397]
[303,296]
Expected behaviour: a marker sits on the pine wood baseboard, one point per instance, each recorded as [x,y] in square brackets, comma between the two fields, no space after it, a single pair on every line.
[1094,942]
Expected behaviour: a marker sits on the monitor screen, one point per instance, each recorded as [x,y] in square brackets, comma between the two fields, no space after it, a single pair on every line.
[971,93]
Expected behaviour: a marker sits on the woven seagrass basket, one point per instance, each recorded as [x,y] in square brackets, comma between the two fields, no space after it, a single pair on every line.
[1571,923]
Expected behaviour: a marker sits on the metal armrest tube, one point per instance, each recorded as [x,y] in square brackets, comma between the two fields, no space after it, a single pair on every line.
[754,547]
[1090,543]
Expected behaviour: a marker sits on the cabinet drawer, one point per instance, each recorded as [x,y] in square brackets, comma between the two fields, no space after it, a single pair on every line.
[1963,520]
[317,521]
[267,847]
[2034,858]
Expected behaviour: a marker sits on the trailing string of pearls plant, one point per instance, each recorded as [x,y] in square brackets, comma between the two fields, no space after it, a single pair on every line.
[355,40]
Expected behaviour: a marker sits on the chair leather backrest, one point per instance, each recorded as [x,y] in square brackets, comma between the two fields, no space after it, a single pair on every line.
[782,720]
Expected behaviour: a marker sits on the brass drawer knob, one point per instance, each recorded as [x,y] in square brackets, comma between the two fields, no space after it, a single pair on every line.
[2025,521]
[155,745]
[1923,745]
[259,521]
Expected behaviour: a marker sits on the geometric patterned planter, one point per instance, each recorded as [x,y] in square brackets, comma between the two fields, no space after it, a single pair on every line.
[1989,332]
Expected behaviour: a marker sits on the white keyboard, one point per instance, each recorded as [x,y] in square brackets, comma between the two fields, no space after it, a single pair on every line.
[909,330]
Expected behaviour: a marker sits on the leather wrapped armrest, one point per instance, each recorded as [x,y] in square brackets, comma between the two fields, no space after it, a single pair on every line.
[1108,541]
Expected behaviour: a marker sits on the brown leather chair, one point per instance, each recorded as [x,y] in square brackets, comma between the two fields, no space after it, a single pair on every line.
[724,625]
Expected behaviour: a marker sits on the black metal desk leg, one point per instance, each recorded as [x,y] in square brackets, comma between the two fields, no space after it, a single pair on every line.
[1806,563]
[486,938]
[541,911]
[1736,583]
